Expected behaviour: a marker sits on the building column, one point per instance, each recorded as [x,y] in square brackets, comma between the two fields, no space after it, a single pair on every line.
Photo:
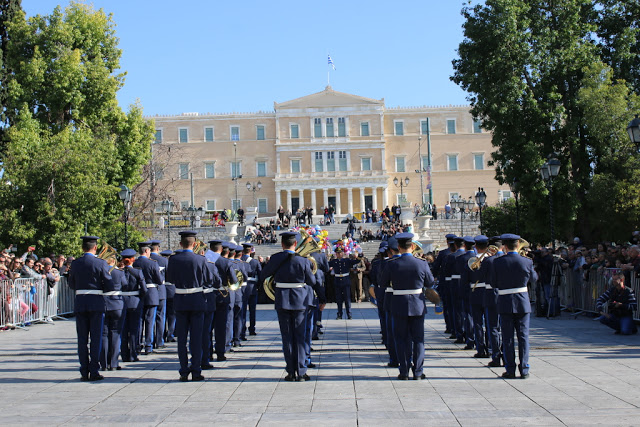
[278,201]
[362,208]
[288,207]
[375,198]
[338,202]
[385,198]
[301,196]
[325,194]
[350,200]
[313,201]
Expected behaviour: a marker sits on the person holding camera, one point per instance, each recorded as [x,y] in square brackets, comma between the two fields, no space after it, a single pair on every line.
[622,304]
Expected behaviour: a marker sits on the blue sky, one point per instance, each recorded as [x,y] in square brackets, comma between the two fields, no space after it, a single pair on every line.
[210,56]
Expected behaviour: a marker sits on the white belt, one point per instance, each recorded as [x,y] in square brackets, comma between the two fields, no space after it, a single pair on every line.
[447,278]
[455,276]
[388,289]
[112,293]
[207,290]
[487,286]
[243,284]
[88,292]
[188,290]
[289,285]
[407,291]
[151,285]
[168,284]
[479,285]
[252,279]
[512,291]
[130,294]
[342,275]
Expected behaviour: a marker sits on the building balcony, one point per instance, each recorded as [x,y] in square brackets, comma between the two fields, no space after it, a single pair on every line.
[332,174]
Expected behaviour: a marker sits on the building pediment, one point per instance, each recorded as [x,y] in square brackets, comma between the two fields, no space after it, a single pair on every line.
[327,98]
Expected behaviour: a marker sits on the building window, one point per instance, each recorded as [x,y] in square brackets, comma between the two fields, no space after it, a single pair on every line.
[158,139]
[210,205]
[330,127]
[477,126]
[235,133]
[401,198]
[451,126]
[183,135]
[424,127]
[504,195]
[365,163]
[209,170]
[342,127]
[260,132]
[236,170]
[425,163]
[318,156]
[342,161]
[317,128]
[235,205]
[452,162]
[262,205]
[331,161]
[295,131]
[364,129]
[183,171]
[184,205]
[400,164]
[399,128]
[478,162]
[295,166]
[261,168]
[208,134]
[158,172]
[454,196]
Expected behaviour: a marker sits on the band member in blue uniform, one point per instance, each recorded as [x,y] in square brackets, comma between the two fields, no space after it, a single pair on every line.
[238,318]
[463,304]
[510,275]
[189,273]
[224,301]
[490,302]
[321,274]
[316,302]
[113,319]
[161,311]
[477,283]
[209,291]
[340,268]
[133,290]
[89,278]
[444,285]
[452,274]
[292,275]
[152,278]
[408,275]
[392,252]
[170,319]
[250,301]
[378,290]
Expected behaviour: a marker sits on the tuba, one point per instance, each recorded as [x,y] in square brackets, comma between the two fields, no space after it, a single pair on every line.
[106,252]
[523,246]
[306,247]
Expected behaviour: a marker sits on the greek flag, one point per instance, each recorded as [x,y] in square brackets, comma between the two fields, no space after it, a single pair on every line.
[331,63]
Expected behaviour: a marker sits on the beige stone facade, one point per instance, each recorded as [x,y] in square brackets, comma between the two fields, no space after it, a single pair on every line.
[325,148]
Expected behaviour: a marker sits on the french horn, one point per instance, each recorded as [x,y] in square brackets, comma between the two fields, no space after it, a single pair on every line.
[475,262]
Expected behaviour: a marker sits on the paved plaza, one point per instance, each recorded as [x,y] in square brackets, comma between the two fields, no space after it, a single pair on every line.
[580,374]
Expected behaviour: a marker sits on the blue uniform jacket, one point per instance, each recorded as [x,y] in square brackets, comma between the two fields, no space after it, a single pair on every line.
[115,302]
[253,271]
[244,268]
[386,287]
[151,272]
[163,291]
[90,273]
[373,277]
[288,267]
[477,278]
[462,267]
[407,272]
[438,265]
[226,272]
[214,283]
[509,273]
[134,282]
[341,269]
[323,270]
[451,272]
[187,270]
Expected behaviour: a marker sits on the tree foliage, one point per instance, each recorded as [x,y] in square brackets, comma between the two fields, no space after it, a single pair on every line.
[69,143]
[542,81]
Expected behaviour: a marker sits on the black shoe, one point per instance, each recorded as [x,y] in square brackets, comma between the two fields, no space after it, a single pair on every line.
[339,316]
[236,344]
[524,376]
[118,368]
[84,378]
[469,347]
[198,377]
[206,366]
[109,368]
[448,331]
[221,358]
[311,365]
[147,352]
[393,364]
[231,350]
[135,360]
[403,377]
[481,355]
[459,341]
[421,377]
[316,338]
[303,378]
[184,378]
[96,377]
[244,339]
[290,377]
[320,333]
[349,317]
[252,333]
[508,376]
[452,336]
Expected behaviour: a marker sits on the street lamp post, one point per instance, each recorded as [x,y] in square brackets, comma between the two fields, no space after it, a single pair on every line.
[236,172]
[253,188]
[401,183]
[515,187]
[481,199]
[634,131]
[192,213]
[549,171]
[167,206]
[125,195]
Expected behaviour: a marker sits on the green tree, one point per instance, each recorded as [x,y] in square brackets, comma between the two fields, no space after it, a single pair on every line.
[69,143]
[8,10]
[526,65]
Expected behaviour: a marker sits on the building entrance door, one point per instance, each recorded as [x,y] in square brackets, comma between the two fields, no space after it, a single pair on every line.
[295,204]
[332,202]
[368,203]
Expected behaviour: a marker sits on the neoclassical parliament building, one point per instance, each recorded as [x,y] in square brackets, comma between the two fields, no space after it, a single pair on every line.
[327,148]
